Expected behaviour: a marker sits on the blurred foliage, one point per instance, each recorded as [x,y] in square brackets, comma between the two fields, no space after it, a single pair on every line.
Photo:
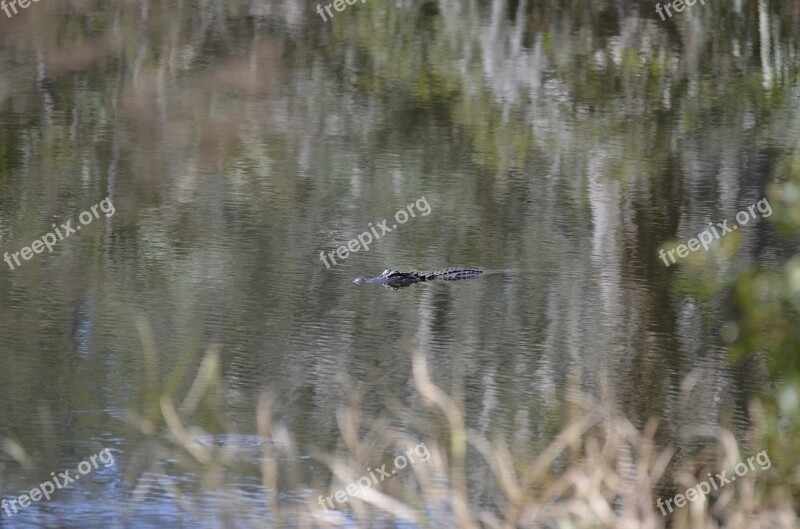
[766,327]
[768,297]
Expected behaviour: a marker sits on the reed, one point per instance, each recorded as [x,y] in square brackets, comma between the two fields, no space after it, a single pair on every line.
[599,471]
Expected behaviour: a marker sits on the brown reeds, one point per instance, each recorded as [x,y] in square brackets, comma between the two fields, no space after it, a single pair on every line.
[600,471]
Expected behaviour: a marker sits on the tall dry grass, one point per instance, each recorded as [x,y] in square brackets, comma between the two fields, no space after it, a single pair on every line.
[599,472]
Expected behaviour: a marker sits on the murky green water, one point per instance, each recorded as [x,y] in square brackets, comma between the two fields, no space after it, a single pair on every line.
[558,147]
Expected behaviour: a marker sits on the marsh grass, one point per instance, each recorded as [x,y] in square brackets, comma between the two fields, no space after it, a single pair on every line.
[598,471]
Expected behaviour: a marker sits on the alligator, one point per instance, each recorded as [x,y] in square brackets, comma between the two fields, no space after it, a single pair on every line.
[394,279]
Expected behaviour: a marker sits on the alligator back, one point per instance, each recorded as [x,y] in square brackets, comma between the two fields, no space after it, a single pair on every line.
[395,279]
[456,273]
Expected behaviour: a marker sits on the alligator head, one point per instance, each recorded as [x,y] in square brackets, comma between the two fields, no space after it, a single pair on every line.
[392,279]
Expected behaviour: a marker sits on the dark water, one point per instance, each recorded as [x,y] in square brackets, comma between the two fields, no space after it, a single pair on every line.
[558,147]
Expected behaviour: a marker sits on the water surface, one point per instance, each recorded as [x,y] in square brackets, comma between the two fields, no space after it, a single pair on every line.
[558,147]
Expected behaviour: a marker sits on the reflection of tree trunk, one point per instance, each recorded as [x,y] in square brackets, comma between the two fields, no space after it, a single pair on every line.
[763,30]
[613,342]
